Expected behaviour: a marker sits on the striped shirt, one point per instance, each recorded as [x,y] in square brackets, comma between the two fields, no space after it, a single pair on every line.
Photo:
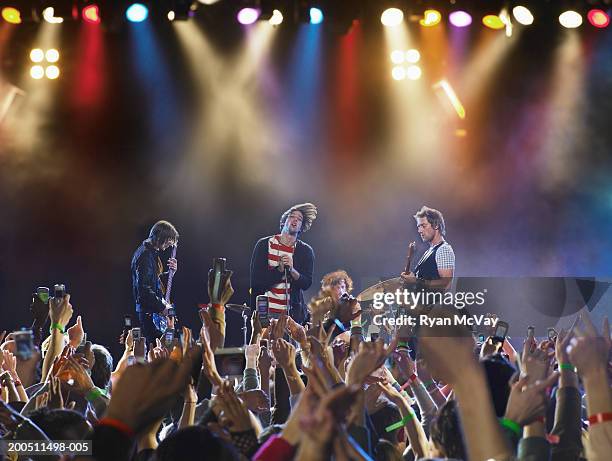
[277,294]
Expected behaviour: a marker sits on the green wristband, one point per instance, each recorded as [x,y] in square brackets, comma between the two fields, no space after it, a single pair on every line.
[403,344]
[400,423]
[428,383]
[56,326]
[567,366]
[511,425]
[93,394]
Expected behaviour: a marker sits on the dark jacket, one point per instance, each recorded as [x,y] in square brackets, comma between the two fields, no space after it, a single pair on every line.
[263,277]
[146,282]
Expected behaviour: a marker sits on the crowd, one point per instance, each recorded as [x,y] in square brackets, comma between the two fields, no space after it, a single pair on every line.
[310,393]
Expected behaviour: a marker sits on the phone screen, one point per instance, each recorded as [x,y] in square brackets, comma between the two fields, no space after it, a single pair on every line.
[135,333]
[262,309]
[127,321]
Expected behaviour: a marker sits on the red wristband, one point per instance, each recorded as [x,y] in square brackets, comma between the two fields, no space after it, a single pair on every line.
[219,307]
[540,419]
[17,383]
[599,418]
[120,426]
[412,379]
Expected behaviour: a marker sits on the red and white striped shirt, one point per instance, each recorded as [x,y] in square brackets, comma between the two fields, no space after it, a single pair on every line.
[277,295]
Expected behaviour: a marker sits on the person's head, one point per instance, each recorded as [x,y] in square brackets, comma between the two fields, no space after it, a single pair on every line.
[386,451]
[293,223]
[61,424]
[337,283]
[102,366]
[499,371]
[195,443]
[430,224]
[298,219]
[383,417]
[446,433]
[163,235]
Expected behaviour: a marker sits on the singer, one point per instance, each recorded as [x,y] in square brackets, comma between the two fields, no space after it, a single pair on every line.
[282,265]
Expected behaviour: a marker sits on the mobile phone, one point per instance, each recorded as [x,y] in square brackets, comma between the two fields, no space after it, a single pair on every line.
[374,336]
[218,270]
[136,333]
[262,310]
[59,290]
[131,360]
[171,312]
[127,321]
[169,339]
[24,344]
[552,334]
[481,338]
[530,331]
[501,329]
[43,294]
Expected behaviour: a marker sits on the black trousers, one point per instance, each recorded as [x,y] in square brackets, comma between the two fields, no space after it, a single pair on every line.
[147,327]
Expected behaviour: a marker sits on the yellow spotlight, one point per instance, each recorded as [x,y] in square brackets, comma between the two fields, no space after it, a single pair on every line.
[392,17]
[430,18]
[397,56]
[11,15]
[277,18]
[49,16]
[37,72]
[52,55]
[37,55]
[493,21]
[522,15]
[413,56]
[52,72]
[570,19]
[398,73]
[413,72]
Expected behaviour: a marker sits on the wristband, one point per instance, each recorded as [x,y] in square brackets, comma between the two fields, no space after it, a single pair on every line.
[403,344]
[120,426]
[396,386]
[511,425]
[56,326]
[428,383]
[355,323]
[567,366]
[599,418]
[339,325]
[401,423]
[93,394]
[217,306]
[17,383]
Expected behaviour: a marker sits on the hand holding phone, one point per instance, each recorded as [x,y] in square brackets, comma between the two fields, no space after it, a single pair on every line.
[136,334]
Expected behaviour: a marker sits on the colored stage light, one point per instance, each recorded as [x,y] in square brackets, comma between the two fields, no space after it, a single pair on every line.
[398,73]
[37,55]
[137,12]
[248,16]
[413,56]
[52,55]
[52,72]
[49,16]
[493,21]
[430,18]
[392,17]
[414,72]
[91,14]
[570,19]
[460,18]
[598,18]
[277,18]
[522,15]
[37,72]
[11,15]
[316,16]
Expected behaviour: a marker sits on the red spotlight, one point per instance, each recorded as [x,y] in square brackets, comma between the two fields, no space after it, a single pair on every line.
[598,18]
[91,14]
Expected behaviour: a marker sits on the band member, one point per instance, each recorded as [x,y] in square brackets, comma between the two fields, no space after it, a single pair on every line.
[147,270]
[437,266]
[282,264]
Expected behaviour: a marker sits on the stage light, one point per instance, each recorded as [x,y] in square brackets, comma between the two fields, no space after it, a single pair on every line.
[460,18]
[392,17]
[570,19]
[137,12]
[171,15]
[52,72]
[248,16]
[37,55]
[49,16]
[91,14]
[398,73]
[398,56]
[11,15]
[598,18]
[413,56]
[52,55]
[493,21]
[276,19]
[413,72]
[430,18]
[522,15]
[208,2]
[316,16]
[37,72]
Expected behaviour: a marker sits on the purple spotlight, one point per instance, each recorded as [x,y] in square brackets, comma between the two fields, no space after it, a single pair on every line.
[460,19]
[248,16]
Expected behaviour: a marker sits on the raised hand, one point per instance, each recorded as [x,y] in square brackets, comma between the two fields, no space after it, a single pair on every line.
[60,311]
[214,333]
[256,327]
[234,413]
[209,367]
[370,356]
[527,402]
[9,363]
[589,350]
[255,400]
[55,400]
[76,333]
[535,362]
[405,364]
[73,370]
[284,353]
[297,333]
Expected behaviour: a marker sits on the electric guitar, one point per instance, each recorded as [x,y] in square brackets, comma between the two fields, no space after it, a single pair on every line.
[159,320]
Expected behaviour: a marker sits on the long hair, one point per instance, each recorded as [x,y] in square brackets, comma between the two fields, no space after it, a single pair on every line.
[161,232]
[433,216]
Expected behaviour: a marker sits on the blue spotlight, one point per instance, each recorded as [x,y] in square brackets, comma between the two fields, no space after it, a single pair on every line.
[137,12]
[316,16]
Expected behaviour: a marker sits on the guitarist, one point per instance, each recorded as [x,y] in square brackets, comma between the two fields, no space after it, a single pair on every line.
[436,268]
[147,270]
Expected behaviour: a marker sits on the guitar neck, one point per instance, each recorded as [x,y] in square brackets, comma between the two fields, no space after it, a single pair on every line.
[170,276]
